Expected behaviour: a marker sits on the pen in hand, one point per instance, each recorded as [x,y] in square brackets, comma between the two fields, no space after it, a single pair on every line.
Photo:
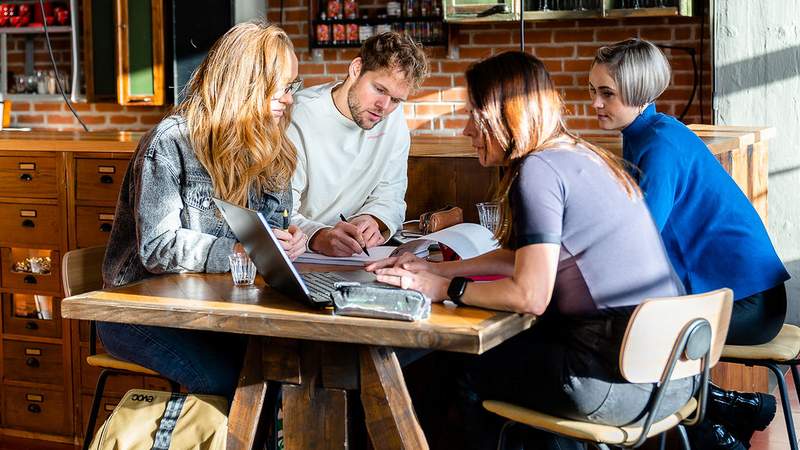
[341,216]
[285,219]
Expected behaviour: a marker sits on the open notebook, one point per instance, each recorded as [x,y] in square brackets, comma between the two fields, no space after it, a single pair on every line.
[468,240]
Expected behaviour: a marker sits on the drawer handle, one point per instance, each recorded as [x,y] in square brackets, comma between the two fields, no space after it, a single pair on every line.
[28,223]
[107,179]
[29,279]
[31,325]
[34,408]
[26,177]
[105,227]
[32,362]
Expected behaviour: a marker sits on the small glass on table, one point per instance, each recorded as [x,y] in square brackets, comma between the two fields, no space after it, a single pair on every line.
[243,271]
[489,215]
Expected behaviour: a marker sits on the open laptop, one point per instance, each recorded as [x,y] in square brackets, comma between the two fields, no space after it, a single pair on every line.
[254,233]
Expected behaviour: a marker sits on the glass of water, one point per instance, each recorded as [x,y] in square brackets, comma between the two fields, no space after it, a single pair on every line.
[243,271]
[489,214]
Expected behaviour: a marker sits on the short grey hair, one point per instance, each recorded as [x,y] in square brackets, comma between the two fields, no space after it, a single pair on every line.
[639,68]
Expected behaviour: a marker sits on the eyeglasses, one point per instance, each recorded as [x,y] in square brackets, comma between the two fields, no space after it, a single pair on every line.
[292,87]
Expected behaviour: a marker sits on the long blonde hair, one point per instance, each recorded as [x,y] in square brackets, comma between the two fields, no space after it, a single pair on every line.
[514,101]
[227,110]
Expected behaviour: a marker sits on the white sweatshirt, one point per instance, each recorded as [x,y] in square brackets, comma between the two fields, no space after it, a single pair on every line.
[343,169]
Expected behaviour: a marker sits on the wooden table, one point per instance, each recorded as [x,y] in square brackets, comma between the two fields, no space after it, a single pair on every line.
[320,357]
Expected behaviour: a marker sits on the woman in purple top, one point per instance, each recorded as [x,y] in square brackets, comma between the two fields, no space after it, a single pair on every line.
[578,246]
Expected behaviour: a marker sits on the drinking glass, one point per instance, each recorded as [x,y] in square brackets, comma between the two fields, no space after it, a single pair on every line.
[489,214]
[243,271]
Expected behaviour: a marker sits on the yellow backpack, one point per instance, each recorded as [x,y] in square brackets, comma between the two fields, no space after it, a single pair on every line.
[158,420]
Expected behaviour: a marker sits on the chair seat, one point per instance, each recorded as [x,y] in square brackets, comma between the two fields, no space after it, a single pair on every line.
[785,347]
[584,430]
[106,361]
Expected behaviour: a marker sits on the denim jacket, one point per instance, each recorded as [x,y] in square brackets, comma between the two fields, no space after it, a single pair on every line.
[165,219]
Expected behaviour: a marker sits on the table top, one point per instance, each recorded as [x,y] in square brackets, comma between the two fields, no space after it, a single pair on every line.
[211,302]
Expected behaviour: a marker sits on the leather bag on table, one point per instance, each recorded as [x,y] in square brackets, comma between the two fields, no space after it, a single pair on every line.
[432,221]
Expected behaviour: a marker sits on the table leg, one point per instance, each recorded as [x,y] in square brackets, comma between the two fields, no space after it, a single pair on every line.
[249,400]
[389,414]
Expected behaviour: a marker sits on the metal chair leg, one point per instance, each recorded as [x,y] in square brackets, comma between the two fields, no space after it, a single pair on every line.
[796,379]
[787,409]
[501,441]
[98,396]
[684,437]
[662,441]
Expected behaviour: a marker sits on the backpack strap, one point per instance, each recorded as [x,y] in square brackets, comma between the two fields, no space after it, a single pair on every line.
[163,436]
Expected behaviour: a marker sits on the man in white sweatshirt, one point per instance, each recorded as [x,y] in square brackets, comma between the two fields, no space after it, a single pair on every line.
[352,148]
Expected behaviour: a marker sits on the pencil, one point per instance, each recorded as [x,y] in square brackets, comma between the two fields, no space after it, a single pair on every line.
[285,219]
[341,216]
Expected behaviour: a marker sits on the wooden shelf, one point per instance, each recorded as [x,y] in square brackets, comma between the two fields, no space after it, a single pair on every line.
[35,30]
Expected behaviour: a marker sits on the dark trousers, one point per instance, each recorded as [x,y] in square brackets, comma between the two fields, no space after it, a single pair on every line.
[757,319]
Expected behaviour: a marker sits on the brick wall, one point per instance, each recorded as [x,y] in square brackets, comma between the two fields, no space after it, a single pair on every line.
[566,47]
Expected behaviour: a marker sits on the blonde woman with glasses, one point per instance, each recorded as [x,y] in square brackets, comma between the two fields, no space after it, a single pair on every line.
[226,140]
[713,235]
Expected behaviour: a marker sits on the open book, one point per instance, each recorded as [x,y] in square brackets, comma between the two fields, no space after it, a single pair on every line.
[468,240]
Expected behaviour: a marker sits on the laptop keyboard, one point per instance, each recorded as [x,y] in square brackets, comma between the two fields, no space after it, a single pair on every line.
[320,284]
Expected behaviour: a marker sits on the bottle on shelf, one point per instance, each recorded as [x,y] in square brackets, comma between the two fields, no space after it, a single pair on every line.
[323,29]
[365,30]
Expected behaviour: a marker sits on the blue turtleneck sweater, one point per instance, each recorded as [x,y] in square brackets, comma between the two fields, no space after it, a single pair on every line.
[712,234]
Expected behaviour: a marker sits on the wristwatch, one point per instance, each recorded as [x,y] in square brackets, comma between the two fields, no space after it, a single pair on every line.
[456,289]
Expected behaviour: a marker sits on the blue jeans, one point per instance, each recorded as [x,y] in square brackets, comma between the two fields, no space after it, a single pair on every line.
[203,362]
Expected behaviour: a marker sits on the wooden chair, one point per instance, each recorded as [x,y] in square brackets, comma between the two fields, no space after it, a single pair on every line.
[784,349]
[81,272]
[666,339]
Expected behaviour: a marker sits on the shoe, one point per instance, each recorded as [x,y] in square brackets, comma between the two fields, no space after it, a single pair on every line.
[742,413]
[713,436]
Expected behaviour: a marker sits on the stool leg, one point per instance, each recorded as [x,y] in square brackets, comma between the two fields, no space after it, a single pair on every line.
[684,437]
[796,379]
[501,441]
[98,395]
[787,409]
[662,441]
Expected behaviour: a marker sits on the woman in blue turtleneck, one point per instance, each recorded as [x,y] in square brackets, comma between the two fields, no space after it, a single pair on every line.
[712,234]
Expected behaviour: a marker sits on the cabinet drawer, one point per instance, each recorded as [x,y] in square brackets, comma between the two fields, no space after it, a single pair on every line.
[117,384]
[32,315]
[33,361]
[28,176]
[36,409]
[30,224]
[107,405]
[94,225]
[99,179]
[30,281]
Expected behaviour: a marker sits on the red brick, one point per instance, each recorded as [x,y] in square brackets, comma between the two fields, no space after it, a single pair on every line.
[432,110]
[82,107]
[676,93]
[656,34]
[554,52]
[587,51]
[292,28]
[60,119]
[491,38]
[645,21]
[311,69]
[577,65]
[29,118]
[454,66]
[105,107]
[575,123]
[439,81]
[563,80]
[347,54]
[474,52]
[553,65]
[93,120]
[534,37]
[454,123]
[315,80]
[297,15]
[555,24]
[20,106]
[121,119]
[150,119]
[574,94]
[459,81]
[563,36]
[300,42]
[424,95]
[419,124]
[456,94]
[47,106]
[337,68]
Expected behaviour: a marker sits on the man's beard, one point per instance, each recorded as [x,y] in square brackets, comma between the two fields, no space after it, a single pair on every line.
[356,111]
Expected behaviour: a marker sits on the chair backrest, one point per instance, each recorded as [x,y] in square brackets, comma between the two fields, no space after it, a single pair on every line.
[81,270]
[657,324]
